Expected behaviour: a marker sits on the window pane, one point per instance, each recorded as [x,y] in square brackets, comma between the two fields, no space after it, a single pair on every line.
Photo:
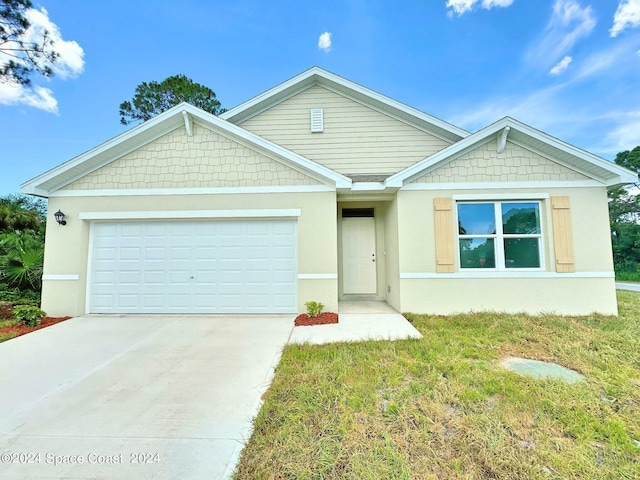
[522,252]
[476,219]
[521,218]
[477,253]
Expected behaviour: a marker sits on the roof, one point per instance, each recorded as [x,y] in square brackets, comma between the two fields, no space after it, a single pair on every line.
[597,168]
[64,174]
[317,76]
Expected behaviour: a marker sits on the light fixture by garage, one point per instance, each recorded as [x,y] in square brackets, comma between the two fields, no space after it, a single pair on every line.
[60,218]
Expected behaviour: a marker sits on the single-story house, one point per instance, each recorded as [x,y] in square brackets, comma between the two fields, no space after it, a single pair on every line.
[321,189]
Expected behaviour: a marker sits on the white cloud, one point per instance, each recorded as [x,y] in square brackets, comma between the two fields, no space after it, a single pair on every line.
[569,23]
[37,97]
[624,136]
[561,66]
[463,6]
[324,42]
[69,64]
[627,15]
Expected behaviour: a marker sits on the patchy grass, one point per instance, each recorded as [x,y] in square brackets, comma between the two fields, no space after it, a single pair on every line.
[440,407]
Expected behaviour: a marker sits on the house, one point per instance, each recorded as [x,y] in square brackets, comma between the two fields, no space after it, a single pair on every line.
[321,189]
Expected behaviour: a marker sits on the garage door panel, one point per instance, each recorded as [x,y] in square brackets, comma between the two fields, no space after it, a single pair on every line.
[194,266]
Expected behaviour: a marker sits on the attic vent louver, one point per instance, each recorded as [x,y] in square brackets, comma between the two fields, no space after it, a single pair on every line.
[317,120]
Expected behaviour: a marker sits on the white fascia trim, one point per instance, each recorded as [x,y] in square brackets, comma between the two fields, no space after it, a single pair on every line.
[317,276]
[190,214]
[503,275]
[123,192]
[368,187]
[31,186]
[560,145]
[60,277]
[486,134]
[305,79]
[501,185]
[500,196]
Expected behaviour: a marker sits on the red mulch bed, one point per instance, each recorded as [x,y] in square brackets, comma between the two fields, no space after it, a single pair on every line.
[304,320]
[22,329]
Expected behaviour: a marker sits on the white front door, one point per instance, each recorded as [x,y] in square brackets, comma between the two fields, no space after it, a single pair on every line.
[359,255]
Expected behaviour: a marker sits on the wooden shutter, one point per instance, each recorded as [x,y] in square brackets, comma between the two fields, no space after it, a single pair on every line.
[443,227]
[562,236]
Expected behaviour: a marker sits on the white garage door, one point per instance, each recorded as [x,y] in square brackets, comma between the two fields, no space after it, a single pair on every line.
[245,266]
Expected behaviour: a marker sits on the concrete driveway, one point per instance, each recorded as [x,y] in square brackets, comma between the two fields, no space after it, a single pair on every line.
[634,287]
[135,396]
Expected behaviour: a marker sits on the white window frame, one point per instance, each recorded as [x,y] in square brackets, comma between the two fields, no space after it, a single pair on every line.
[500,236]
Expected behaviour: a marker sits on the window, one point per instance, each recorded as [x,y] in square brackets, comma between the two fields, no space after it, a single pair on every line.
[499,235]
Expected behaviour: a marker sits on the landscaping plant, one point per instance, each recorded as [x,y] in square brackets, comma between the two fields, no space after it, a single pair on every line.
[314,308]
[28,315]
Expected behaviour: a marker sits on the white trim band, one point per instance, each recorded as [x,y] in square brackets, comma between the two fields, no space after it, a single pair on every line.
[501,185]
[123,192]
[503,275]
[61,277]
[317,276]
[191,214]
[500,196]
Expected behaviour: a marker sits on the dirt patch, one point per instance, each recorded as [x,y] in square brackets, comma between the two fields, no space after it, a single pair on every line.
[21,329]
[6,310]
[325,318]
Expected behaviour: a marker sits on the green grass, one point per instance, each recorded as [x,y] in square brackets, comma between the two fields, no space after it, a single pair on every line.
[440,408]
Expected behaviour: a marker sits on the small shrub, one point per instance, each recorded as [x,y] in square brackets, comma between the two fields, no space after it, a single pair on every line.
[19,297]
[314,308]
[29,315]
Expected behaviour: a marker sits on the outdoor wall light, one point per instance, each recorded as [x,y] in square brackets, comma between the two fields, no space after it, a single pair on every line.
[60,218]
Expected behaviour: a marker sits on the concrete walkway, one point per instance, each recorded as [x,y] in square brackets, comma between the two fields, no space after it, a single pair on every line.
[358,321]
[635,287]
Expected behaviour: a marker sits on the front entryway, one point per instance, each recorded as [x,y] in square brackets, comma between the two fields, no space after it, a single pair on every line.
[359,256]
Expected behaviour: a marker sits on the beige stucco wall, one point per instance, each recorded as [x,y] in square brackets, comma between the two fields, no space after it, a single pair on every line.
[535,296]
[356,138]
[392,266]
[207,159]
[515,163]
[67,247]
[566,293]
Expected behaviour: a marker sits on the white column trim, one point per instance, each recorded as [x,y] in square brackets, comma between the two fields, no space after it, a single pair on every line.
[191,214]
[50,276]
[505,275]
[317,276]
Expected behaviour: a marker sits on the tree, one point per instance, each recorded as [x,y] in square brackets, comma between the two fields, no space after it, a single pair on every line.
[22,227]
[624,215]
[18,213]
[153,98]
[22,55]
[22,260]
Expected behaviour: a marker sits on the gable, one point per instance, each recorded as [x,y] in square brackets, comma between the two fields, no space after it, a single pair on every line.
[356,139]
[514,164]
[205,160]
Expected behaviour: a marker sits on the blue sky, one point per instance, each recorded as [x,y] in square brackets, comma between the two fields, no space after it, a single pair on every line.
[568,67]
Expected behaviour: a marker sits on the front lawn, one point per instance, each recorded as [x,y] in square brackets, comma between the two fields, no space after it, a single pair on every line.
[441,408]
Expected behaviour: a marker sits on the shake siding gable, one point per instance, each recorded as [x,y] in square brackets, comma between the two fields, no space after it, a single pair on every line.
[356,139]
[205,160]
[515,163]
